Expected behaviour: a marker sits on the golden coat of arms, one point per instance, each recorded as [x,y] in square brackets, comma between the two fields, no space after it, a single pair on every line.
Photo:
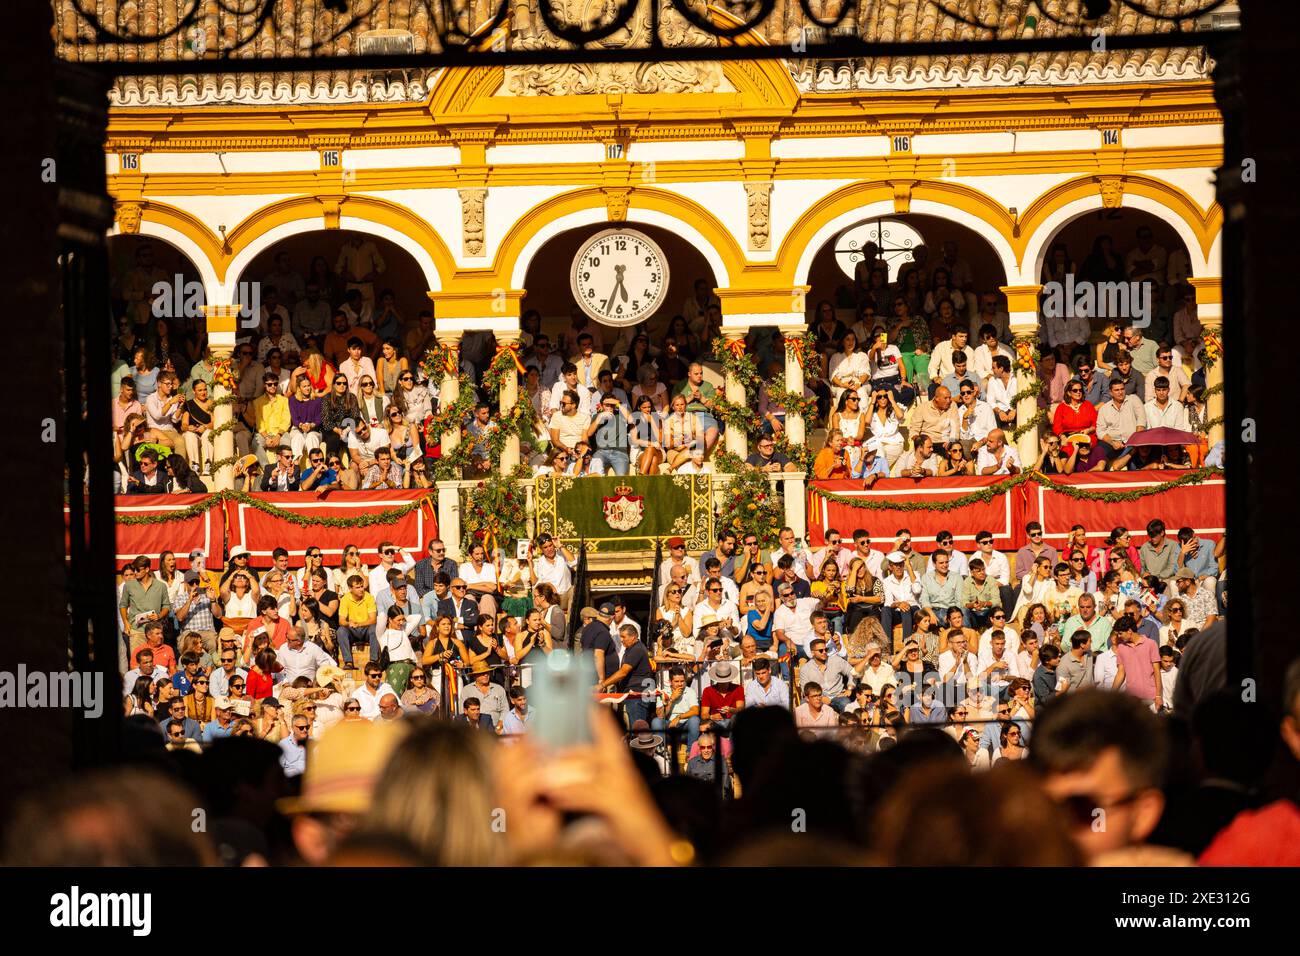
[624,511]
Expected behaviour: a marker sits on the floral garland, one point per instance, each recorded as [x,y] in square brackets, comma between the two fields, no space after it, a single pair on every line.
[779,394]
[1211,348]
[504,363]
[495,510]
[748,503]
[800,346]
[992,491]
[736,363]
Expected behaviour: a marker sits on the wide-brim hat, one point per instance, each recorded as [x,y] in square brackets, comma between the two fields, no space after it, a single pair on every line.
[723,672]
[343,767]
[327,674]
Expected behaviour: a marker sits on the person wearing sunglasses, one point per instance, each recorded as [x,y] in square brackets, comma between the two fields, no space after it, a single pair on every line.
[1103,757]
[340,412]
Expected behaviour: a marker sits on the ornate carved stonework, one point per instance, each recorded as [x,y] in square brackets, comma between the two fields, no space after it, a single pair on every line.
[616,201]
[528,32]
[902,195]
[1112,191]
[128,218]
[758,201]
[330,211]
[471,219]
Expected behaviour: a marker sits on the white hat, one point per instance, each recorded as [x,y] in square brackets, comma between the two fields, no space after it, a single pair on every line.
[239,549]
[895,557]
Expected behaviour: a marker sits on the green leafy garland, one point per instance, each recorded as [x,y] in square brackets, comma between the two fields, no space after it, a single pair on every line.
[993,491]
[495,511]
[388,516]
[1025,361]
[749,503]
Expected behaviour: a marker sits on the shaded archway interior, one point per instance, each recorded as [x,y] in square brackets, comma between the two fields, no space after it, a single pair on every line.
[547,280]
[1081,233]
[128,278]
[828,281]
[402,273]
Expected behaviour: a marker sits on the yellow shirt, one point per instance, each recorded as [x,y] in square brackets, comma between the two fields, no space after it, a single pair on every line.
[271,415]
[352,611]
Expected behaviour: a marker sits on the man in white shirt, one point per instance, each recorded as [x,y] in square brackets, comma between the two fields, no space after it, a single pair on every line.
[997,664]
[957,562]
[568,381]
[871,557]
[918,462]
[1107,667]
[299,657]
[620,620]
[363,443]
[1161,410]
[997,457]
[714,606]
[569,425]
[677,557]
[957,663]
[792,620]
[902,588]
[941,357]
[712,575]
[389,554]
[1002,387]
[554,566]
[369,694]
[1166,366]
[786,545]
[975,417]
[981,357]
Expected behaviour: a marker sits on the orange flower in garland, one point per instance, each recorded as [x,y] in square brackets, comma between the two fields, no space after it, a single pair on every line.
[223,375]
[1026,356]
[1211,347]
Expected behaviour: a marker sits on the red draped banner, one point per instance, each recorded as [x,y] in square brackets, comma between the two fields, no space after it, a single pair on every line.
[262,533]
[1199,506]
[181,536]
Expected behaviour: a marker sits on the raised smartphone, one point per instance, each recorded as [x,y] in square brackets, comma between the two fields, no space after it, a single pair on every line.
[561,692]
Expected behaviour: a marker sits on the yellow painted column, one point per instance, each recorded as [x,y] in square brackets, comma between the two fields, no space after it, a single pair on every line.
[449,388]
[506,403]
[1209,309]
[794,424]
[737,440]
[222,321]
[1022,310]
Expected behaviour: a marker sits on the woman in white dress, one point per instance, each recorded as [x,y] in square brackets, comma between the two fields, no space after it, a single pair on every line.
[351,565]
[849,420]
[883,425]
[848,367]
[1036,587]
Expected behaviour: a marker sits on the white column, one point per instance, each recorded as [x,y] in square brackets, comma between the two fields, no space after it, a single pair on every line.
[506,403]
[794,423]
[1022,310]
[737,440]
[449,517]
[449,391]
[221,323]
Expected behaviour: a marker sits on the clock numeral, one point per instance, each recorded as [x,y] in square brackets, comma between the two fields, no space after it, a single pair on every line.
[620,245]
[649,260]
[586,276]
[636,305]
[595,262]
[591,293]
[604,248]
[619,311]
[654,277]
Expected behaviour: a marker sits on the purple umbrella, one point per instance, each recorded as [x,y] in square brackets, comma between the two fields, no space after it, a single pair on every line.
[1160,437]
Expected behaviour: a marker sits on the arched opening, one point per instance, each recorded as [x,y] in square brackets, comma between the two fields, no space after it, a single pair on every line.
[548,292]
[156,293]
[1105,246]
[917,251]
[830,280]
[305,277]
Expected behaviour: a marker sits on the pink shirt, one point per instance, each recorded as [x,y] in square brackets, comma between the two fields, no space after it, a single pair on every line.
[1138,660]
[122,412]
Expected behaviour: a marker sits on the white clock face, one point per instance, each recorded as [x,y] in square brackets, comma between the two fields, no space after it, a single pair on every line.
[619,277]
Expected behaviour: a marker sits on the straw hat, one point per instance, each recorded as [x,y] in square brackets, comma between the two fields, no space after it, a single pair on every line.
[342,767]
